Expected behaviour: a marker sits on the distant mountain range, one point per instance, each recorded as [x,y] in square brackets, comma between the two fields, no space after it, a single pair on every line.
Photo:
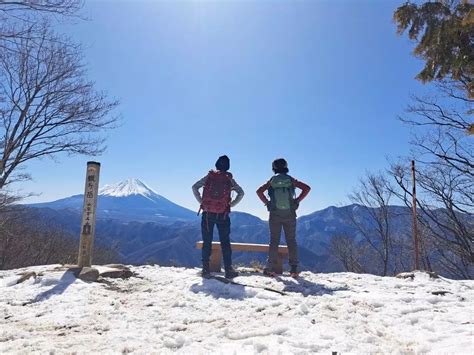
[148,228]
[129,200]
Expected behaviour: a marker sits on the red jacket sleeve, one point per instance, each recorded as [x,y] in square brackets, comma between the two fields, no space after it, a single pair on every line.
[303,187]
[261,192]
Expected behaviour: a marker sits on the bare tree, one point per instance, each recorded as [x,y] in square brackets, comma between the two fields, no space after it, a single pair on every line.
[444,153]
[442,122]
[345,249]
[7,199]
[15,15]
[27,237]
[373,197]
[47,106]
[18,18]
[58,7]
[445,202]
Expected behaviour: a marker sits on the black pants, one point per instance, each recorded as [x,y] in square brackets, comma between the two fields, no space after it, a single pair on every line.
[222,221]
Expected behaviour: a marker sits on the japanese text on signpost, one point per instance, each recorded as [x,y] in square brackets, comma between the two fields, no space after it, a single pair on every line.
[89,214]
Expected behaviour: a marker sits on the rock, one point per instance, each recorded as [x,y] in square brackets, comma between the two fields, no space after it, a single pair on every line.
[406,275]
[117,274]
[25,276]
[88,274]
[440,293]
[411,275]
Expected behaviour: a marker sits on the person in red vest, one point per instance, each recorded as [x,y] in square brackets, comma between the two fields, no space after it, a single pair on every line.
[282,205]
[216,203]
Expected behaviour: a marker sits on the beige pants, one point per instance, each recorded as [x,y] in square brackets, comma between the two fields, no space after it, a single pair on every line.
[288,224]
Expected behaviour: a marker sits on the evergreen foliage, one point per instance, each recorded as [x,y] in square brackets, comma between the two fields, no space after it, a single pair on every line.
[444,33]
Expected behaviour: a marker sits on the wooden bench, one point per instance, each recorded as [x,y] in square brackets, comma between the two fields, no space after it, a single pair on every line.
[216,254]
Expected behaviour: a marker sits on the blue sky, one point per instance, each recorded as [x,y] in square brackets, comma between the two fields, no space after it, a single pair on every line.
[319,83]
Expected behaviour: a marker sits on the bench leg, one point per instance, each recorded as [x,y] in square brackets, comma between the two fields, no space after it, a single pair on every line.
[278,268]
[215,261]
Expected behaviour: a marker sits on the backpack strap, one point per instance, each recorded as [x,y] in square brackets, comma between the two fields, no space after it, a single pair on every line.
[291,189]
[206,185]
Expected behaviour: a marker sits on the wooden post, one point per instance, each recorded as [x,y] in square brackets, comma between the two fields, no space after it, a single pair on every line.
[86,244]
[415,228]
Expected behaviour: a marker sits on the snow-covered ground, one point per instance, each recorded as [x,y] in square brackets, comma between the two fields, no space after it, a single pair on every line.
[167,310]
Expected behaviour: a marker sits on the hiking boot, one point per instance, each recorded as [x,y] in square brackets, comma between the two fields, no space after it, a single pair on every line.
[269,272]
[294,272]
[205,272]
[231,273]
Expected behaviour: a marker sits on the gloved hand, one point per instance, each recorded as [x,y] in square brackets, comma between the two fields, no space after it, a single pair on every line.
[268,206]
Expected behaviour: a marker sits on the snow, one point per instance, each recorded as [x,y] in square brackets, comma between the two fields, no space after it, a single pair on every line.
[172,310]
[126,188]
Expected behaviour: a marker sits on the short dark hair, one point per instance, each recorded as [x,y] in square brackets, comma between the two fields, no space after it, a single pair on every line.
[280,166]
[223,163]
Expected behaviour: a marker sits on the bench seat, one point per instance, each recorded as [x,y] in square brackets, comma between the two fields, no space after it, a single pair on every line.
[216,255]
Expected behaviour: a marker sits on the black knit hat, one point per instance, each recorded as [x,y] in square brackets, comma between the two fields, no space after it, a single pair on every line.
[280,166]
[223,163]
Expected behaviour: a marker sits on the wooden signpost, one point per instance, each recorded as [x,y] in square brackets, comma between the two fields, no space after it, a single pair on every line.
[86,243]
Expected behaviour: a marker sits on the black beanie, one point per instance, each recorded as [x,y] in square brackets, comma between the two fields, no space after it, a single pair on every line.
[223,163]
[280,166]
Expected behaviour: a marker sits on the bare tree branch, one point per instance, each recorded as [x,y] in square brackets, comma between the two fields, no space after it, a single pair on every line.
[47,107]
[374,197]
[445,202]
[60,7]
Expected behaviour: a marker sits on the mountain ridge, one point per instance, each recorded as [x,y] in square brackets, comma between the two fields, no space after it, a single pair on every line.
[128,200]
[143,233]
[134,189]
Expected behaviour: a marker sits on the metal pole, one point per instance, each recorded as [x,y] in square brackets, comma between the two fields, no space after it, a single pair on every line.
[415,228]
[91,191]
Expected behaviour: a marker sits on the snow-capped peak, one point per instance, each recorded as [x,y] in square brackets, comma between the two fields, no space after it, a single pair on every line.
[127,187]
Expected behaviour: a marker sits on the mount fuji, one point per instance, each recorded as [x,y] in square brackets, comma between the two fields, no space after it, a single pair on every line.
[128,200]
